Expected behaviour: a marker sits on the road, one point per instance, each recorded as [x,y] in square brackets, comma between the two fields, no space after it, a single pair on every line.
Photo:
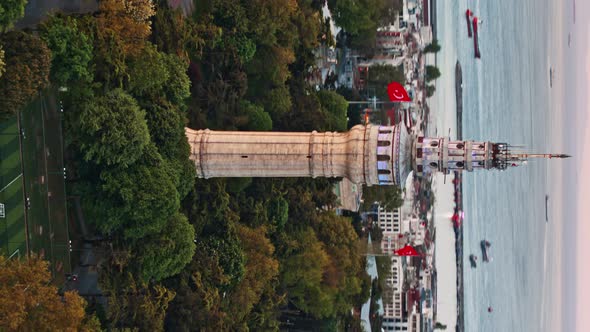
[37,10]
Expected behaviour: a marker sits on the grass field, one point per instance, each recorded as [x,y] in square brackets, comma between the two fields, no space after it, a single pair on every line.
[37,199]
[12,226]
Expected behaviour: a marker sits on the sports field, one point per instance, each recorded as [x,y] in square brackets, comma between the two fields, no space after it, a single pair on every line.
[36,197]
[12,213]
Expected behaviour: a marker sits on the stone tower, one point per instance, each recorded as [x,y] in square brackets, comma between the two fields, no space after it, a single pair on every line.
[371,154]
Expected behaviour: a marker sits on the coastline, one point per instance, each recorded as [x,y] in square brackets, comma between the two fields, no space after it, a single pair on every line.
[460,327]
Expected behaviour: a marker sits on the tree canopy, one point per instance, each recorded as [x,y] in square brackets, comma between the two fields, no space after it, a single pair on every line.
[433,47]
[71,50]
[195,254]
[27,62]
[258,119]
[111,129]
[432,73]
[10,12]
[134,304]
[137,200]
[335,108]
[389,197]
[381,75]
[260,269]
[165,254]
[28,302]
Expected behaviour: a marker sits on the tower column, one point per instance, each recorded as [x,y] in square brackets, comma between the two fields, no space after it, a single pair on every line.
[286,154]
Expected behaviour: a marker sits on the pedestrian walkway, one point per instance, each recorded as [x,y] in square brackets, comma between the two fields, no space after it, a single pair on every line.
[37,10]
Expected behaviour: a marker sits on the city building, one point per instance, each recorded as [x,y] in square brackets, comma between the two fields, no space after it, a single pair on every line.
[393,294]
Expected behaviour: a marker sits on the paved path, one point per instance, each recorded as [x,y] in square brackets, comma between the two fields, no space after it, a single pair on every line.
[37,10]
[85,269]
[186,6]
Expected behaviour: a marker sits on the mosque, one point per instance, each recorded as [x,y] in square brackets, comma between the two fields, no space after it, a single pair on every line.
[370,155]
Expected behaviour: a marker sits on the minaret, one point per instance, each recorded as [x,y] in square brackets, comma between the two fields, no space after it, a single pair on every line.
[444,155]
[372,155]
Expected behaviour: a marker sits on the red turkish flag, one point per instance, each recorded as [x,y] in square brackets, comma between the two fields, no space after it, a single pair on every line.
[407,251]
[397,93]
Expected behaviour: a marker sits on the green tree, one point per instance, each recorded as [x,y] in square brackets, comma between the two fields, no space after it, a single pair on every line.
[165,254]
[147,72]
[433,47]
[302,273]
[335,107]
[206,203]
[136,305]
[278,211]
[381,75]
[111,129]
[355,16]
[278,101]
[10,12]
[432,73]
[138,199]
[71,50]
[260,269]
[174,33]
[177,87]
[182,170]
[342,274]
[258,119]
[389,197]
[166,126]
[197,305]
[376,234]
[231,258]
[154,75]
[430,89]
[27,62]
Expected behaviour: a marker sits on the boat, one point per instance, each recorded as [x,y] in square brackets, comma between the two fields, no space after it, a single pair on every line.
[468,14]
[485,246]
[475,41]
[546,208]
[473,260]
[550,77]
[457,218]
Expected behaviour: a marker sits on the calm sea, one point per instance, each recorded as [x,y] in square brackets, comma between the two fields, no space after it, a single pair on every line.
[505,100]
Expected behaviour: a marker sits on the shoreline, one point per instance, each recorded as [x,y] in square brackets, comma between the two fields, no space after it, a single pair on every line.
[460,327]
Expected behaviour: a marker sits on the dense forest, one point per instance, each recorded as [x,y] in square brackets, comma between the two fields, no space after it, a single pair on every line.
[181,253]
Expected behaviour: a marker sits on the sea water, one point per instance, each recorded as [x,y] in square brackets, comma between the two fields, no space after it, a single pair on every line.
[505,99]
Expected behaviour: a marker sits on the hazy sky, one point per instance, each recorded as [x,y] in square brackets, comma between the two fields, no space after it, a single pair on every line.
[577,174]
